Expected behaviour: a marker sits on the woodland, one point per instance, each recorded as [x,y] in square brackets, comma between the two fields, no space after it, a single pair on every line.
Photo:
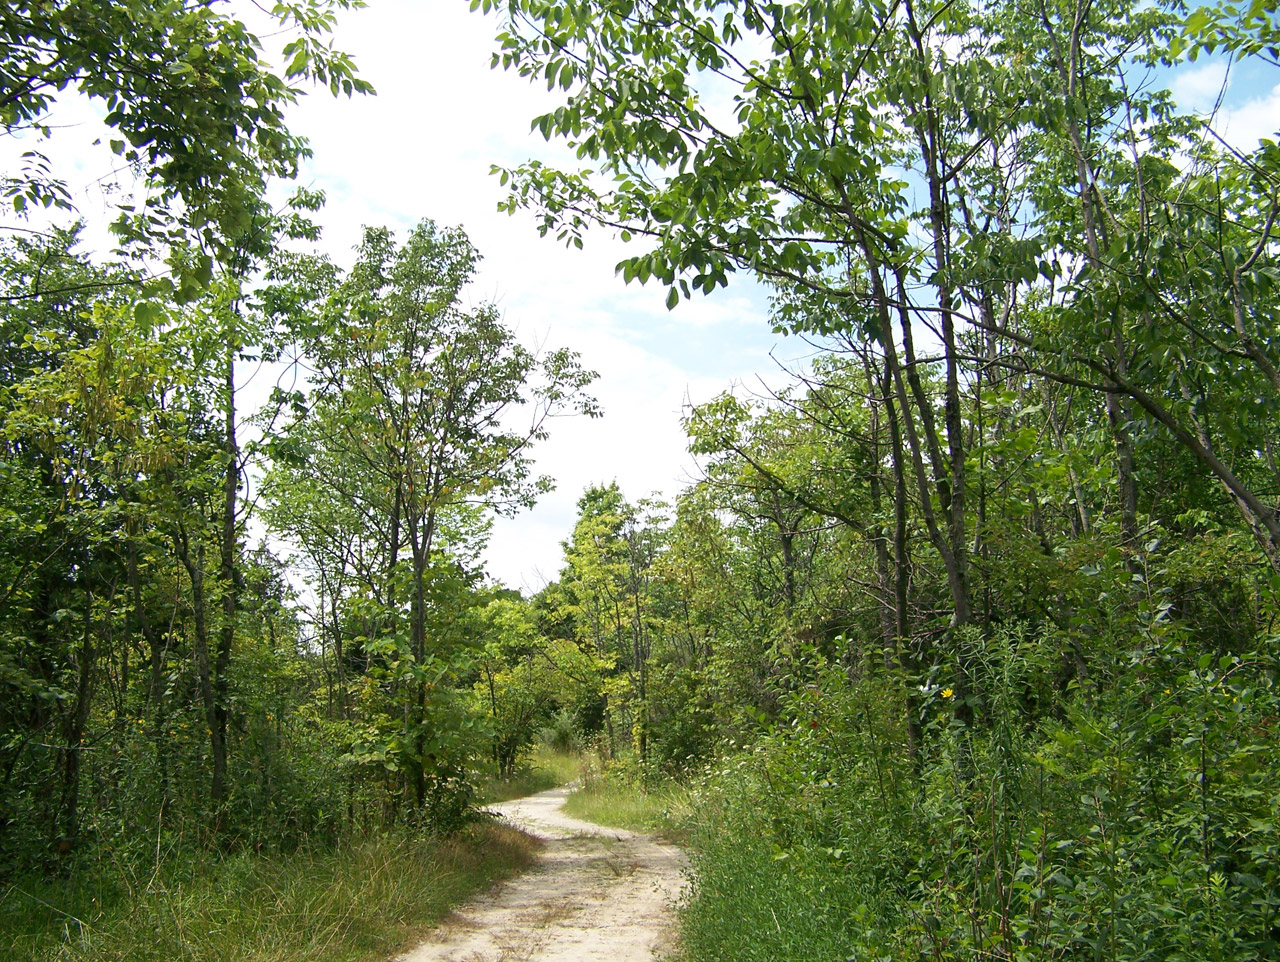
[964,644]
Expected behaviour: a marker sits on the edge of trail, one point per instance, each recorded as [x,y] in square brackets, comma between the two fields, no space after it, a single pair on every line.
[593,894]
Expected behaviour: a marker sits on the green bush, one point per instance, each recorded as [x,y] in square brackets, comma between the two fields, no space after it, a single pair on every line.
[561,734]
[1135,820]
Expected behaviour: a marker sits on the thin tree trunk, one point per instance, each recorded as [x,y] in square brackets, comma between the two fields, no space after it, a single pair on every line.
[68,825]
[1067,60]
[901,563]
[155,675]
[204,669]
[227,577]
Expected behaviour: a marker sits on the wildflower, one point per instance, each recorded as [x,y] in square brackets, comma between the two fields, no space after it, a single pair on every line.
[947,693]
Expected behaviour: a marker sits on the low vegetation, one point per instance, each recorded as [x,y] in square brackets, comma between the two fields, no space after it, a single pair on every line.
[542,769]
[1136,822]
[962,645]
[619,799]
[363,901]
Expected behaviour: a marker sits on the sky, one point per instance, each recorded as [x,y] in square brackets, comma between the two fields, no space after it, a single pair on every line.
[424,146]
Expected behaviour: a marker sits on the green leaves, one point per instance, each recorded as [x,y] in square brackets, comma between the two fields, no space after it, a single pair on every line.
[396,459]
[196,109]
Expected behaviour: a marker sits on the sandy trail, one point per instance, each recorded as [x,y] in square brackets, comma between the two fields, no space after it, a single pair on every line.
[594,895]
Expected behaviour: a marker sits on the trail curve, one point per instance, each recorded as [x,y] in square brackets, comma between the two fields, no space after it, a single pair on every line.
[594,895]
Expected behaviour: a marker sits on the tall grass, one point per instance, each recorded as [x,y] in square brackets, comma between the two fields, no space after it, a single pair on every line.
[1137,824]
[544,769]
[619,799]
[359,902]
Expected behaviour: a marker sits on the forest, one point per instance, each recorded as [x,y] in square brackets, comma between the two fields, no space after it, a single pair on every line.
[962,645]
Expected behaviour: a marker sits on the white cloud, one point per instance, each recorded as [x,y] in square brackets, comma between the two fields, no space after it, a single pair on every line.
[638,442]
[1243,125]
[424,147]
[1198,88]
[1236,99]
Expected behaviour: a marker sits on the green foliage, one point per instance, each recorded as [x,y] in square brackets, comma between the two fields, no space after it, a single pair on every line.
[976,638]
[1136,825]
[406,426]
[144,648]
[528,685]
[542,769]
[619,796]
[197,109]
[561,734]
[980,629]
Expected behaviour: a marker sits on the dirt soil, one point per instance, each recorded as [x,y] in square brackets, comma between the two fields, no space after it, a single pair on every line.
[594,895]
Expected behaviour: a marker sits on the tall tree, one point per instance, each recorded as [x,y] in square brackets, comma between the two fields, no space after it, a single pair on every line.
[425,410]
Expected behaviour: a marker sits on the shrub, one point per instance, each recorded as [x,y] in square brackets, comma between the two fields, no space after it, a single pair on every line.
[1131,820]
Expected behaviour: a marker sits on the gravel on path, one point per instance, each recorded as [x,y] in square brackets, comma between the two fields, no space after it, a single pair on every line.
[594,895]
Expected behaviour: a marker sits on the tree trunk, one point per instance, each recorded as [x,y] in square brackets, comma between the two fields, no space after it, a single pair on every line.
[67,824]
[204,670]
[228,577]
[890,642]
[902,565]
[155,675]
[1067,60]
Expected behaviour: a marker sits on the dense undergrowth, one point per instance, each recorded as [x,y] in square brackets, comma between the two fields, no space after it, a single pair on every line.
[359,899]
[1128,815]
[1133,819]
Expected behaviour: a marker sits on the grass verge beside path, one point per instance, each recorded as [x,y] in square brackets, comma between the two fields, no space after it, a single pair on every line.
[664,808]
[544,769]
[361,902]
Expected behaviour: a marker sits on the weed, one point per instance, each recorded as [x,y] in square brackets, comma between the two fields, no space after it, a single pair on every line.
[358,902]
[612,798]
[546,768]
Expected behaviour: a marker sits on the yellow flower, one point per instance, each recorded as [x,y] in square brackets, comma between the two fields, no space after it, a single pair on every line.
[947,693]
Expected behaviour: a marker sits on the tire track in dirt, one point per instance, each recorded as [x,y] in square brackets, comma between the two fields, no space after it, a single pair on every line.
[594,895]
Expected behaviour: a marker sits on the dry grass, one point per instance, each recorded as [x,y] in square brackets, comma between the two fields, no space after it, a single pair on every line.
[360,902]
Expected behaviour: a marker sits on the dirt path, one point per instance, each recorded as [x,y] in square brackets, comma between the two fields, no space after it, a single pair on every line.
[594,895]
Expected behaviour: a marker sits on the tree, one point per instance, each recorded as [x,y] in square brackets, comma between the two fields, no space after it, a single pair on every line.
[608,597]
[201,122]
[421,413]
[199,112]
[1055,300]
[115,469]
[106,422]
[805,187]
[525,679]
[895,170]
